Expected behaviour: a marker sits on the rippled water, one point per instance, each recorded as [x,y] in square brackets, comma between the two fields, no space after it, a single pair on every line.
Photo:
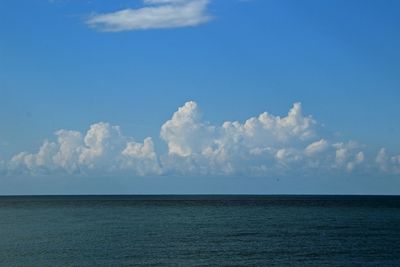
[200,231]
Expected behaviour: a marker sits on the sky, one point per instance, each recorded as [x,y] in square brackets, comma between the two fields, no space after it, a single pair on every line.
[199,96]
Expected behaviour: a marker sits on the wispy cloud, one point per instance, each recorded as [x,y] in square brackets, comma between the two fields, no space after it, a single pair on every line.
[156,14]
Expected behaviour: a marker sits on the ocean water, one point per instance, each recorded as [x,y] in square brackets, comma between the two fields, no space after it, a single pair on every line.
[200,231]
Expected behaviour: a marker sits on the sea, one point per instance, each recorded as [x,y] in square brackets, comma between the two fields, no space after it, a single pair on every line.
[200,230]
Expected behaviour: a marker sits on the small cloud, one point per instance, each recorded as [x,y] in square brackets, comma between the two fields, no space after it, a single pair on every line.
[157,14]
[388,163]
[348,155]
[316,147]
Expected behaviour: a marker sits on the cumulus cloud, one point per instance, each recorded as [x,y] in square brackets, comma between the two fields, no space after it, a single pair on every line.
[102,149]
[141,157]
[348,155]
[187,134]
[184,133]
[264,145]
[388,163]
[261,145]
[156,14]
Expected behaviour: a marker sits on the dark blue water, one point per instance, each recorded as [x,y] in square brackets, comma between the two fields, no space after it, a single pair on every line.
[200,231]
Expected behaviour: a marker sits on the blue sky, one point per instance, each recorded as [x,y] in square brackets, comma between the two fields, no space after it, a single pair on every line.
[62,68]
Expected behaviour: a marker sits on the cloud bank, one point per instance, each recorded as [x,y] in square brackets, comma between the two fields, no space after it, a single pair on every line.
[102,149]
[264,145]
[156,14]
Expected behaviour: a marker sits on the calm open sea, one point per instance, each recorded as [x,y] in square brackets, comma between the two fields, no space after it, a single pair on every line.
[200,231]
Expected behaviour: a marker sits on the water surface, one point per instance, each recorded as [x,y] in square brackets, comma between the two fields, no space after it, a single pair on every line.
[200,231]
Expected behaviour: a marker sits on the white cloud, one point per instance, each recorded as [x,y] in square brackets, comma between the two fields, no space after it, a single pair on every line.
[69,148]
[34,163]
[316,147]
[103,149]
[141,157]
[158,14]
[101,143]
[264,145]
[348,155]
[388,163]
[184,133]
